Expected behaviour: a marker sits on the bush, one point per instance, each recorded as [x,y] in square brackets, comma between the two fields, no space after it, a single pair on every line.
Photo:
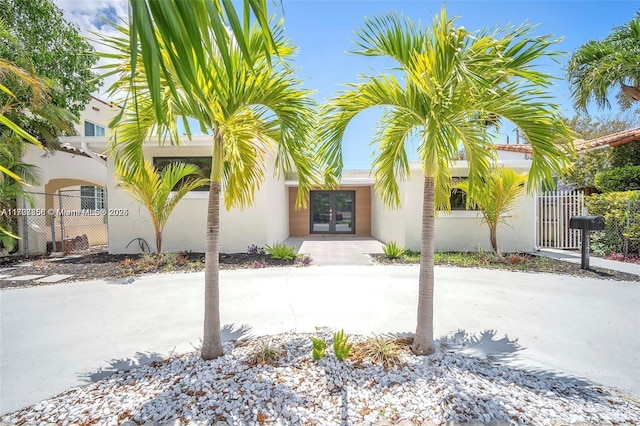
[625,178]
[319,348]
[392,250]
[280,251]
[340,346]
[621,212]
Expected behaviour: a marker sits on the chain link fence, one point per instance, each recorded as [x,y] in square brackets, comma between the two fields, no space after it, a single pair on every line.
[66,221]
[622,228]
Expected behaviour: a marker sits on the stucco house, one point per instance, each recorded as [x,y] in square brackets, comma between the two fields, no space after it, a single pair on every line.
[72,178]
[354,209]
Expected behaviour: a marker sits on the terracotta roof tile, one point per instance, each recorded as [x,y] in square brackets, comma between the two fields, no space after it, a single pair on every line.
[612,140]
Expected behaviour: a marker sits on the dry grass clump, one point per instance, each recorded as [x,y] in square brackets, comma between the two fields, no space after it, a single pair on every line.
[266,353]
[379,350]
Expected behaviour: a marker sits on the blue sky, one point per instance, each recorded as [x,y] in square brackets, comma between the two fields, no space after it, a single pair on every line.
[324,30]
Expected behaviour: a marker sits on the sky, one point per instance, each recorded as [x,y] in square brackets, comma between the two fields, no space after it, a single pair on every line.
[324,30]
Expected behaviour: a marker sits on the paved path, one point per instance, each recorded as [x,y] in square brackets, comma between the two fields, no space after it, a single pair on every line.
[58,336]
[337,249]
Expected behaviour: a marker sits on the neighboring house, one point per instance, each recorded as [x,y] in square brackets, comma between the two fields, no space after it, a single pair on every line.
[74,179]
[353,209]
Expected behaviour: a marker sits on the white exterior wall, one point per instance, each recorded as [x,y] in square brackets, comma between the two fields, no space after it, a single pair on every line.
[458,230]
[265,222]
[63,165]
[388,224]
[96,112]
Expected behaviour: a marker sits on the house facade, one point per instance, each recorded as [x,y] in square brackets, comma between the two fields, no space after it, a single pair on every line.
[353,209]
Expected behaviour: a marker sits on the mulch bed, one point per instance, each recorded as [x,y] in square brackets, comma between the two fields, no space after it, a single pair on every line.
[525,262]
[113,266]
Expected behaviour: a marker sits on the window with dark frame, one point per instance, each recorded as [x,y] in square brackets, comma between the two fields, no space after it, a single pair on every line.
[204,163]
[458,199]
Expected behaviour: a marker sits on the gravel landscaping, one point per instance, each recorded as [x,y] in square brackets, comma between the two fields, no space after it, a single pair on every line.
[275,380]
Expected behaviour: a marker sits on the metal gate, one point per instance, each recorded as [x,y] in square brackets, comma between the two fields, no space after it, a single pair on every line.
[66,221]
[554,211]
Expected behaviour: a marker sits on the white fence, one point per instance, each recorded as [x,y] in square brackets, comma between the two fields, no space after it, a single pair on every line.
[554,211]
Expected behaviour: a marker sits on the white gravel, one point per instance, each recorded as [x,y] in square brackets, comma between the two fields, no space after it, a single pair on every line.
[448,386]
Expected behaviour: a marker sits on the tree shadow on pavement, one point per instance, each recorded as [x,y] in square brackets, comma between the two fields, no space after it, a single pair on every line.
[228,332]
[115,365]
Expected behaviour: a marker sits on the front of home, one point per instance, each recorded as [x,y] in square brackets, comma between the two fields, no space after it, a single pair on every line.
[354,209]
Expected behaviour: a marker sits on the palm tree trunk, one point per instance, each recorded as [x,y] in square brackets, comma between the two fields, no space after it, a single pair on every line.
[423,340]
[211,341]
[158,241]
[493,230]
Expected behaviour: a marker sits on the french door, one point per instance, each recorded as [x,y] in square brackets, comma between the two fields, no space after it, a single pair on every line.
[332,212]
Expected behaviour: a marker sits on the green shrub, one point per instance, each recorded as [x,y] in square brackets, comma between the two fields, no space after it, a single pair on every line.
[626,178]
[340,346]
[319,347]
[392,250]
[280,251]
[621,212]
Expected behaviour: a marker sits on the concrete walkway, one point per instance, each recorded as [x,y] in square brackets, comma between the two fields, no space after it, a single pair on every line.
[336,249]
[59,336]
[576,257]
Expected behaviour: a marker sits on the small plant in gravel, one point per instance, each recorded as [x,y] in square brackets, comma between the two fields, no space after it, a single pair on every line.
[254,250]
[340,346]
[280,251]
[303,260]
[378,350]
[392,250]
[319,348]
[267,353]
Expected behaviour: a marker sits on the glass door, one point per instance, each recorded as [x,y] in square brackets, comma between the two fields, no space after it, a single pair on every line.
[332,212]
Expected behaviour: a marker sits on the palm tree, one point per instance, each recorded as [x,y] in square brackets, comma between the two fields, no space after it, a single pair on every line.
[249,108]
[453,82]
[159,191]
[14,133]
[598,66]
[194,29]
[499,194]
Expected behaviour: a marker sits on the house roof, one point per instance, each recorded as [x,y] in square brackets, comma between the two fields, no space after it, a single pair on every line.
[612,140]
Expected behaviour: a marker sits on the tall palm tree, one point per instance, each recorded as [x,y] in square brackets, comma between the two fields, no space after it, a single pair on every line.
[249,108]
[598,66]
[452,83]
[159,191]
[499,194]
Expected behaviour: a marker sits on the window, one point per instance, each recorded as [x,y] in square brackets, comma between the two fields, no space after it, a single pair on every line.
[91,129]
[91,197]
[458,199]
[204,163]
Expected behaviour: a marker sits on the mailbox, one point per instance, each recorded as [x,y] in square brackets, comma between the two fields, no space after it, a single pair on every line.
[590,223]
[586,224]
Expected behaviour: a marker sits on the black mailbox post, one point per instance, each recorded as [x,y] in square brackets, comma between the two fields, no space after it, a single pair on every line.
[586,224]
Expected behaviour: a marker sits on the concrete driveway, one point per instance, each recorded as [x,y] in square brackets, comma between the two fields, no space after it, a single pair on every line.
[60,336]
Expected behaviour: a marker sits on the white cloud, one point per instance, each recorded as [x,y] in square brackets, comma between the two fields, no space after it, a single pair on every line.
[90,16]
